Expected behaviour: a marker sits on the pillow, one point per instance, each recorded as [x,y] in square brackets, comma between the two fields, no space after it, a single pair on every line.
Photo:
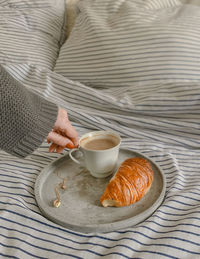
[118,43]
[31,31]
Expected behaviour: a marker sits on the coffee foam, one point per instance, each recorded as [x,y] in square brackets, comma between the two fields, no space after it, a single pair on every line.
[99,136]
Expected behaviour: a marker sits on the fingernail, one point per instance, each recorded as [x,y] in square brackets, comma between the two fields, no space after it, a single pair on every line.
[70,146]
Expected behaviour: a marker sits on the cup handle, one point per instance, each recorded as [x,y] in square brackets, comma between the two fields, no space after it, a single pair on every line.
[73,158]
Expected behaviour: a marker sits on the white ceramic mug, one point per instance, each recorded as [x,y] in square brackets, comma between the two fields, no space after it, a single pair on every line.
[99,150]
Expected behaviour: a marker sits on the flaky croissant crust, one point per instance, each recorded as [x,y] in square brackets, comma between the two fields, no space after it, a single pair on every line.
[131,182]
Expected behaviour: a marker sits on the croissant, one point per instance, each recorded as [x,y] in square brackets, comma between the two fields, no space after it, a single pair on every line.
[130,183]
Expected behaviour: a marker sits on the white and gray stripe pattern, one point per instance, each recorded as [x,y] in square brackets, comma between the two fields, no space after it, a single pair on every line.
[31,31]
[161,120]
[118,43]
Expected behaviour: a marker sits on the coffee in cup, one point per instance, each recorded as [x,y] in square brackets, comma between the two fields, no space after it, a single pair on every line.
[99,142]
[100,151]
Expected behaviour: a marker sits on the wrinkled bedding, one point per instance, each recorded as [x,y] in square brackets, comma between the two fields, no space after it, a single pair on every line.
[160,120]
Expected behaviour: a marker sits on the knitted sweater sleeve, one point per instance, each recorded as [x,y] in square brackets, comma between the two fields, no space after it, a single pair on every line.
[25,118]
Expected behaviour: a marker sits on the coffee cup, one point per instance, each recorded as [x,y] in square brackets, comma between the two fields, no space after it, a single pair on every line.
[99,152]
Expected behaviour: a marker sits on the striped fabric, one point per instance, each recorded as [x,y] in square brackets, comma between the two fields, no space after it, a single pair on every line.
[193,2]
[31,31]
[118,43]
[161,120]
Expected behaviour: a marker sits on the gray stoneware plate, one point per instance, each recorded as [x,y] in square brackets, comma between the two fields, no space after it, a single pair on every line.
[80,209]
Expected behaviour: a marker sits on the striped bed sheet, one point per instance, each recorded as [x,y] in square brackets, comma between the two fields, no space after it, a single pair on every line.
[160,120]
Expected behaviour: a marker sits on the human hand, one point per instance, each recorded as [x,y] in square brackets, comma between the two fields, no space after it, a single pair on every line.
[63,134]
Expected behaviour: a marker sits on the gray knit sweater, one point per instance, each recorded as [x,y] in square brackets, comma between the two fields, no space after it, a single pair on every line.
[25,118]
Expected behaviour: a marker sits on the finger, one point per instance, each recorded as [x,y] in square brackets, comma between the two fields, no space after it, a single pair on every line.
[52,147]
[70,146]
[59,149]
[71,133]
[75,141]
[59,139]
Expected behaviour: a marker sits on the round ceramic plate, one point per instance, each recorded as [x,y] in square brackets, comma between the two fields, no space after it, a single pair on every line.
[80,208]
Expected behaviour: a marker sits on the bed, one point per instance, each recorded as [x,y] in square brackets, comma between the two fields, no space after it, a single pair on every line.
[151,98]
